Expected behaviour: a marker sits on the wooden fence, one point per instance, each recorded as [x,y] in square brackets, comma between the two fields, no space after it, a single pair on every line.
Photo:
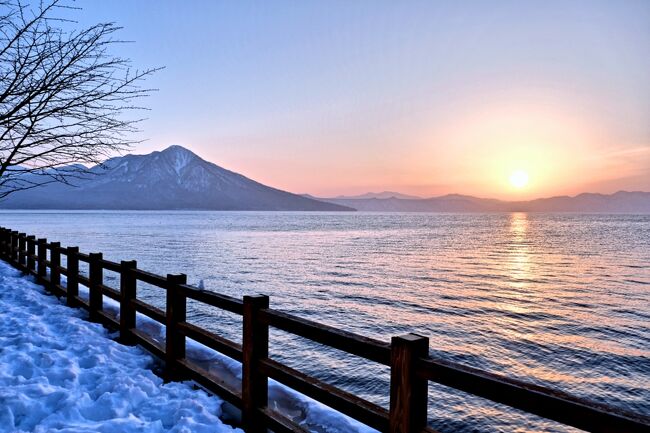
[411,367]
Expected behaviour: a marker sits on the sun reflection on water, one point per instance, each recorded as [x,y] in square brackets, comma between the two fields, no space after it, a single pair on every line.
[519,249]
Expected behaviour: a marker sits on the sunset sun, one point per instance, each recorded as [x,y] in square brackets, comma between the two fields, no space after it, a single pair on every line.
[519,179]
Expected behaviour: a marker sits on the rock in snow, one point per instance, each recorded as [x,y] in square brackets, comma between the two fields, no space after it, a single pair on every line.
[60,373]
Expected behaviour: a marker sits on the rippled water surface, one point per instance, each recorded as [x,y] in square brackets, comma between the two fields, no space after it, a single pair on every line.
[559,299]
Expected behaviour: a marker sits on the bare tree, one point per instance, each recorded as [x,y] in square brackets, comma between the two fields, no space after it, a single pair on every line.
[65,101]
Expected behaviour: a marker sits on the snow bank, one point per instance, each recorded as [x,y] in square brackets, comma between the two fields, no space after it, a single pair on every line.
[307,412]
[60,373]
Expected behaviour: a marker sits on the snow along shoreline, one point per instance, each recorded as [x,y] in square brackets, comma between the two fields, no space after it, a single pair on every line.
[61,373]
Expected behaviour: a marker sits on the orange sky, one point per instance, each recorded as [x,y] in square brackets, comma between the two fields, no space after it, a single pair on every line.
[564,146]
[426,98]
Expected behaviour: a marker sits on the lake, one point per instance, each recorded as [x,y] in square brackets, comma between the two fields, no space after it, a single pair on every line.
[562,300]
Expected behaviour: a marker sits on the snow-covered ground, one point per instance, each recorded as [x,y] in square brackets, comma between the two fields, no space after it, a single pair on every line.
[60,373]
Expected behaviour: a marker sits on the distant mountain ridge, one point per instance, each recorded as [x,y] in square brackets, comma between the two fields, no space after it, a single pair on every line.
[174,178]
[620,202]
[381,195]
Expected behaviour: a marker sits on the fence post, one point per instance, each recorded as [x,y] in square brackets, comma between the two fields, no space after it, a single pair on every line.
[55,267]
[96,279]
[21,251]
[8,244]
[5,241]
[14,247]
[176,313]
[42,258]
[6,247]
[255,347]
[31,250]
[72,288]
[408,392]
[128,289]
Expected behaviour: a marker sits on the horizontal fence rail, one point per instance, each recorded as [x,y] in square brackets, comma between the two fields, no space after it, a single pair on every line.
[411,366]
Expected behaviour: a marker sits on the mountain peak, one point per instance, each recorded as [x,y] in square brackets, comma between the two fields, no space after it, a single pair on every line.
[176,149]
[179,157]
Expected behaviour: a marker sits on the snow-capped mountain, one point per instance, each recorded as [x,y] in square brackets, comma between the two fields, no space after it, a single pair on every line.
[174,178]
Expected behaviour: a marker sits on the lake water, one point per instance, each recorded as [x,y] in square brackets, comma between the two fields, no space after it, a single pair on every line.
[562,300]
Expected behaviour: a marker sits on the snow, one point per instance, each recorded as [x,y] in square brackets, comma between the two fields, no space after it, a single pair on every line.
[60,373]
[97,385]
[180,157]
[307,412]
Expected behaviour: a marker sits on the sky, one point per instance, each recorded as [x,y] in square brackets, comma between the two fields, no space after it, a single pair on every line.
[421,97]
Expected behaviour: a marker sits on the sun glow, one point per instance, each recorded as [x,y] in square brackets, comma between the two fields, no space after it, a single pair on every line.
[514,149]
[519,179]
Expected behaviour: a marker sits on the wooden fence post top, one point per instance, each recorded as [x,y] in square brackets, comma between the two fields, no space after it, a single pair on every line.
[73,249]
[410,339]
[261,301]
[95,256]
[31,237]
[41,240]
[177,278]
[126,269]
[128,265]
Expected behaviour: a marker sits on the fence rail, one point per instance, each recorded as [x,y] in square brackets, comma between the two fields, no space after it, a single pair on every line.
[411,367]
